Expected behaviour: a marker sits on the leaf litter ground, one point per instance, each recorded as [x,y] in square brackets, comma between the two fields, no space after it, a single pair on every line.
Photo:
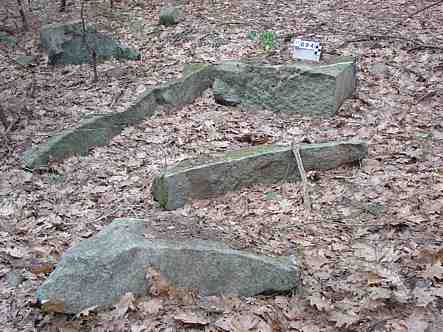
[371,249]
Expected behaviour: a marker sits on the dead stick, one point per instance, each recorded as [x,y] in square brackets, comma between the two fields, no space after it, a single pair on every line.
[301,170]
[3,119]
[424,8]
[417,12]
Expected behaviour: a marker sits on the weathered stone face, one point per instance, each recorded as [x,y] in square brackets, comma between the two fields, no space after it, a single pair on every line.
[266,164]
[66,44]
[100,270]
[169,15]
[317,90]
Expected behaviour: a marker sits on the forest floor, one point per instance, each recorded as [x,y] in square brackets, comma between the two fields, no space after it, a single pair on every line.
[372,247]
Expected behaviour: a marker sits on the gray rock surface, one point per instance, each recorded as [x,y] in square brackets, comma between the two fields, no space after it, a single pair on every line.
[25,60]
[267,164]
[224,94]
[65,44]
[98,271]
[170,15]
[316,90]
[99,130]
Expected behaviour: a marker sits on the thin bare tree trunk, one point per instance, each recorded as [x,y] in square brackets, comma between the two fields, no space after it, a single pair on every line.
[62,6]
[91,50]
[22,14]
[3,119]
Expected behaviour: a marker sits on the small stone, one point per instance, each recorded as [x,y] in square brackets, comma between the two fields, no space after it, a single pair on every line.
[25,60]
[169,15]
[14,278]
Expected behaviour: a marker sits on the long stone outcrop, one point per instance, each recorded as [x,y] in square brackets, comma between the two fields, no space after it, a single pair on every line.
[98,271]
[99,130]
[266,164]
[299,88]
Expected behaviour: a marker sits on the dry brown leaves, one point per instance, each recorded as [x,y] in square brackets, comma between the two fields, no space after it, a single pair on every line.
[371,249]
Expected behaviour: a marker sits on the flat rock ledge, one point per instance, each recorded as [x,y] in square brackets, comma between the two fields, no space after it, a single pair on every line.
[98,271]
[266,164]
[314,90]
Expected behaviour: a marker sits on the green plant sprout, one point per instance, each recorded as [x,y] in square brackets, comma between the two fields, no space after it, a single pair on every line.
[252,35]
[268,40]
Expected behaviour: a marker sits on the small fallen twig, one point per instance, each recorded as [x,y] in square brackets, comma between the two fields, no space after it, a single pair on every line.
[375,38]
[425,47]
[426,96]
[423,9]
[301,170]
[116,98]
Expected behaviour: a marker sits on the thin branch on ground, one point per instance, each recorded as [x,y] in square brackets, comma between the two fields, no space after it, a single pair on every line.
[424,8]
[301,170]
[426,47]
[376,38]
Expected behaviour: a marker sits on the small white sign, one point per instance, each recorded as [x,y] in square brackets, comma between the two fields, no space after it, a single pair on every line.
[306,50]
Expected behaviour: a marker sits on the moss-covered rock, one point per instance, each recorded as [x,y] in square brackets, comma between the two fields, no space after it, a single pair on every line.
[67,44]
[170,15]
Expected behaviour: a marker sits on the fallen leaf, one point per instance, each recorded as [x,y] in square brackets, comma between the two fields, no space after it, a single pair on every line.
[224,324]
[152,306]
[158,285]
[247,322]
[52,306]
[38,267]
[16,252]
[320,302]
[86,312]
[423,296]
[415,325]
[433,271]
[125,304]
[379,293]
[343,319]
[190,318]
[374,279]
[254,138]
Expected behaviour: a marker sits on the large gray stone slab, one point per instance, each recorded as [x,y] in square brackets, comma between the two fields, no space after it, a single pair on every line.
[266,164]
[98,271]
[317,90]
[65,44]
[99,130]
